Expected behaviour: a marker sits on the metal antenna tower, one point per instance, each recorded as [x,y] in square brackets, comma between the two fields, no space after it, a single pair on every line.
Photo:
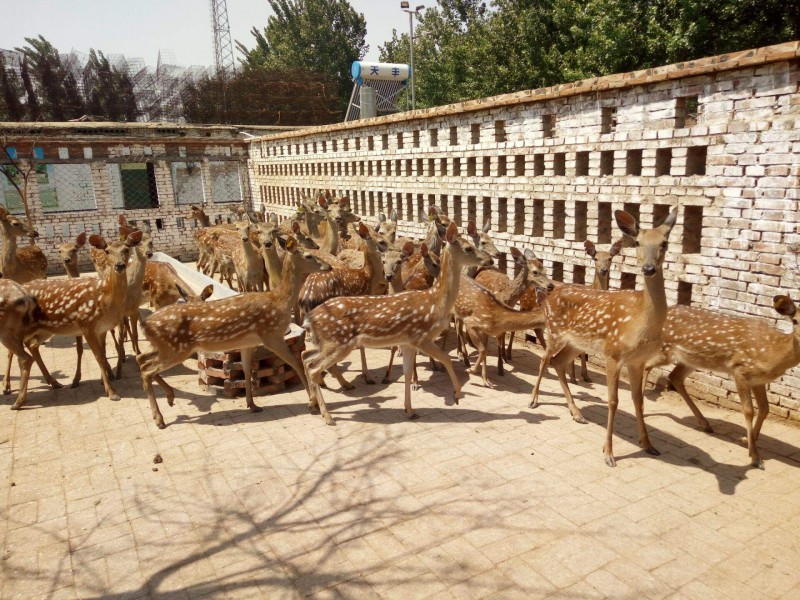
[223,47]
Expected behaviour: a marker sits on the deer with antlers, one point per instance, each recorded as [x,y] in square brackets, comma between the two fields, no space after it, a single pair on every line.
[412,320]
[241,322]
[748,348]
[624,326]
[88,307]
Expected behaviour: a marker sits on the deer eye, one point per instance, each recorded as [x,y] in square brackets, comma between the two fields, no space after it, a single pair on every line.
[635,244]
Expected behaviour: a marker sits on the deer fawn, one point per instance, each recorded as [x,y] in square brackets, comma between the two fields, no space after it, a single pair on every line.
[624,326]
[241,322]
[17,317]
[249,264]
[411,320]
[87,307]
[747,348]
[69,256]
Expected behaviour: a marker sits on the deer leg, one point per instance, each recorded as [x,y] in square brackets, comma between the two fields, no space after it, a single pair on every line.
[78,357]
[540,337]
[760,392]
[99,352]
[432,350]
[677,378]
[315,362]
[337,373]
[635,380]
[389,368]
[49,379]
[247,367]
[548,354]
[744,389]
[500,339]
[133,328]
[509,345]
[25,362]
[7,375]
[584,369]
[612,383]
[120,349]
[572,378]
[149,366]
[364,372]
[566,357]
[409,355]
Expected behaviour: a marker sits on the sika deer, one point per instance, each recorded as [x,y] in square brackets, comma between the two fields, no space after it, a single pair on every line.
[412,320]
[625,326]
[241,322]
[86,306]
[69,256]
[250,272]
[162,286]
[17,317]
[19,264]
[748,348]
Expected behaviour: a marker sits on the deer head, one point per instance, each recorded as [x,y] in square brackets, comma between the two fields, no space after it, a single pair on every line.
[537,276]
[785,306]
[69,250]
[393,259]
[302,239]
[15,227]
[117,252]
[481,239]
[145,244]
[651,244]
[602,260]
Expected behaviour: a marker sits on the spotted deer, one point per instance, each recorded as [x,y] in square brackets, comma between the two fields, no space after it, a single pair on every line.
[162,286]
[411,320]
[19,264]
[748,348]
[247,259]
[17,317]
[241,322]
[86,306]
[624,326]
[68,251]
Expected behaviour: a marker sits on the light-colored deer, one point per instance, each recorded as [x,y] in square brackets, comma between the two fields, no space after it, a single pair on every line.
[412,320]
[17,317]
[19,264]
[248,261]
[624,326]
[241,323]
[86,306]
[68,251]
[748,348]
[162,286]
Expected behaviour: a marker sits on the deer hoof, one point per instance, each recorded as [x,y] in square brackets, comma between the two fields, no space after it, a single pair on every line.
[707,428]
[413,416]
[56,385]
[579,419]
[255,409]
[6,391]
[368,380]
[329,421]
[385,380]
[457,396]
[743,440]
[75,383]
[534,403]
[586,378]
[16,406]
[114,398]
[652,451]
[348,386]
[610,461]
[161,425]
[758,464]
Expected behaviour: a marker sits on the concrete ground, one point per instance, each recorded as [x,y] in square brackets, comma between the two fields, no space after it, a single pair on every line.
[487,498]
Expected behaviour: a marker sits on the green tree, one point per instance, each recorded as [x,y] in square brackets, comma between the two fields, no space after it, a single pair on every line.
[11,107]
[109,90]
[322,36]
[57,89]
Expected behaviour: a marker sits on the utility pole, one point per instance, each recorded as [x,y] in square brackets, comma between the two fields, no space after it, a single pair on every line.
[411,13]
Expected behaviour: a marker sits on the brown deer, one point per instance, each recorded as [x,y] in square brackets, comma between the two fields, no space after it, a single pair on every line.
[625,326]
[88,307]
[69,256]
[19,264]
[17,317]
[162,286]
[241,322]
[412,320]
[248,261]
[747,348]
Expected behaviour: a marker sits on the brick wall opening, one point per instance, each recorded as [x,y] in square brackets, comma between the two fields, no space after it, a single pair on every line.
[696,160]
[499,131]
[560,163]
[684,293]
[537,223]
[604,223]
[581,163]
[607,162]
[400,140]
[434,137]
[457,210]
[454,135]
[486,210]
[548,125]
[519,165]
[475,133]
[686,111]
[410,214]
[380,203]
[415,138]
[420,171]
[471,166]
[487,166]
[501,166]
[581,217]
[627,281]
[443,203]
[378,167]
[431,199]
[579,274]
[408,167]
[389,204]
[369,168]
[431,167]
[502,217]
[538,165]
[472,210]
[370,143]
[363,202]
[502,262]
[558,271]
[456,166]
[334,146]
[385,141]
[663,161]
[519,216]
[692,229]
[358,145]
[371,204]
[559,218]
[443,166]
[633,162]
[608,119]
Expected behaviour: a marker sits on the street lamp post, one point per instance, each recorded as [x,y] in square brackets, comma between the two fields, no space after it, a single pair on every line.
[405,7]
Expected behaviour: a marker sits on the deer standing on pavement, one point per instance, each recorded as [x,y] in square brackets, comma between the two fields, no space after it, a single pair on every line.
[69,256]
[241,322]
[747,348]
[87,306]
[19,264]
[624,326]
[412,320]
[17,316]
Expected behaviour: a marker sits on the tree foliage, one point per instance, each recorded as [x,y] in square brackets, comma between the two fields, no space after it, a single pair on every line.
[464,50]
[109,91]
[321,36]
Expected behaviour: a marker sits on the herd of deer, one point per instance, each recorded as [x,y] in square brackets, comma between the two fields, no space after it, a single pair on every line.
[353,286]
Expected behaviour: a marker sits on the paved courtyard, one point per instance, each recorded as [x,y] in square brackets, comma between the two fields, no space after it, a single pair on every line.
[484,499]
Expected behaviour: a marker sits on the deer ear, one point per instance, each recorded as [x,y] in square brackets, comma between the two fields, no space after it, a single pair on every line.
[97,241]
[516,253]
[291,244]
[3,212]
[626,223]
[295,226]
[134,238]
[393,216]
[452,233]
[281,242]
[363,231]
[487,226]
[81,239]
[323,202]
[423,250]
[616,248]
[382,218]
[124,232]
[472,228]
[207,292]
[530,254]
[408,248]
[184,294]
[273,217]
[589,247]
[784,306]
[669,222]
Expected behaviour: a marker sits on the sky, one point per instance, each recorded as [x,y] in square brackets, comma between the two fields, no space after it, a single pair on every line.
[139,28]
